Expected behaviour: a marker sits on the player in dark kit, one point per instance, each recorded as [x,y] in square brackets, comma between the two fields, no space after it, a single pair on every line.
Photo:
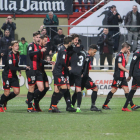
[135,73]
[60,73]
[34,75]
[119,75]
[76,60]
[9,76]
[87,82]
[42,44]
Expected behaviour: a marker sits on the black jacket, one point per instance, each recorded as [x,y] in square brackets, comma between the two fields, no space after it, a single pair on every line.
[108,41]
[113,20]
[128,19]
[4,45]
[58,39]
[1,33]
[11,27]
[135,64]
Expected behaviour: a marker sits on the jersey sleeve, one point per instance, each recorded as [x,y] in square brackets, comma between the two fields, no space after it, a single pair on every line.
[86,67]
[31,51]
[119,59]
[136,56]
[12,67]
[63,60]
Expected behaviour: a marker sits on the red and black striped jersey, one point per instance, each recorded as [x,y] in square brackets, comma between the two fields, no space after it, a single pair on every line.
[42,60]
[87,66]
[135,64]
[33,56]
[60,65]
[11,65]
[120,58]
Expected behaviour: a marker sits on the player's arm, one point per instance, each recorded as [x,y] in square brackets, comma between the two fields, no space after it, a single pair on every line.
[120,64]
[63,58]
[31,51]
[85,68]
[127,57]
[136,56]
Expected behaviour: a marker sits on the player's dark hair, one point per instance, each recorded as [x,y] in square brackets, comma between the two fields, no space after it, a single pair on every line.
[67,39]
[14,42]
[93,46]
[36,33]
[74,36]
[126,44]
[7,30]
[43,36]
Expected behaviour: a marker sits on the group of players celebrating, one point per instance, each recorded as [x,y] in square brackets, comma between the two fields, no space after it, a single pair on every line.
[71,69]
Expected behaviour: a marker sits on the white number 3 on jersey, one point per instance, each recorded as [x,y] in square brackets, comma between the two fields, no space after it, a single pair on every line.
[81,58]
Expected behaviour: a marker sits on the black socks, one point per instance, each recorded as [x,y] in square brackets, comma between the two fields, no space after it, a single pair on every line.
[109,96]
[11,96]
[93,97]
[30,97]
[3,99]
[79,99]
[129,98]
[74,98]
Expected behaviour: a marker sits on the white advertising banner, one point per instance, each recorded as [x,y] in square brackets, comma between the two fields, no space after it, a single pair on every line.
[104,81]
[99,17]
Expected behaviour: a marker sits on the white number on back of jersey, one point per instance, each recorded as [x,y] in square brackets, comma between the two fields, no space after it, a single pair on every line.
[81,58]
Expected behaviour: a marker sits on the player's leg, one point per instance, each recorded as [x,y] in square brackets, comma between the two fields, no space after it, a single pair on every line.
[74,98]
[129,98]
[56,91]
[46,86]
[93,100]
[30,97]
[108,98]
[14,83]
[4,98]
[31,87]
[67,97]
[131,93]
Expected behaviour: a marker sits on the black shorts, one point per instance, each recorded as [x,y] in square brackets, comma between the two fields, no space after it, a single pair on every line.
[136,81]
[119,82]
[88,83]
[59,80]
[45,77]
[75,79]
[10,82]
[34,76]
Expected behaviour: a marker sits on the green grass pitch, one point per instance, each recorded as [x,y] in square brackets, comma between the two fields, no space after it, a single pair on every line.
[17,124]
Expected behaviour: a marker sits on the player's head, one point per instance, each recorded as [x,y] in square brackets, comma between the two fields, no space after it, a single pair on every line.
[36,37]
[92,50]
[75,38]
[126,47]
[15,46]
[79,43]
[68,40]
[43,40]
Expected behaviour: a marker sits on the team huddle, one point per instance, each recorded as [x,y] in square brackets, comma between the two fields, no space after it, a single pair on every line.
[70,69]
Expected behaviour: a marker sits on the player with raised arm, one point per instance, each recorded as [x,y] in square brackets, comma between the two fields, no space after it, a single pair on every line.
[119,75]
[34,75]
[9,76]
